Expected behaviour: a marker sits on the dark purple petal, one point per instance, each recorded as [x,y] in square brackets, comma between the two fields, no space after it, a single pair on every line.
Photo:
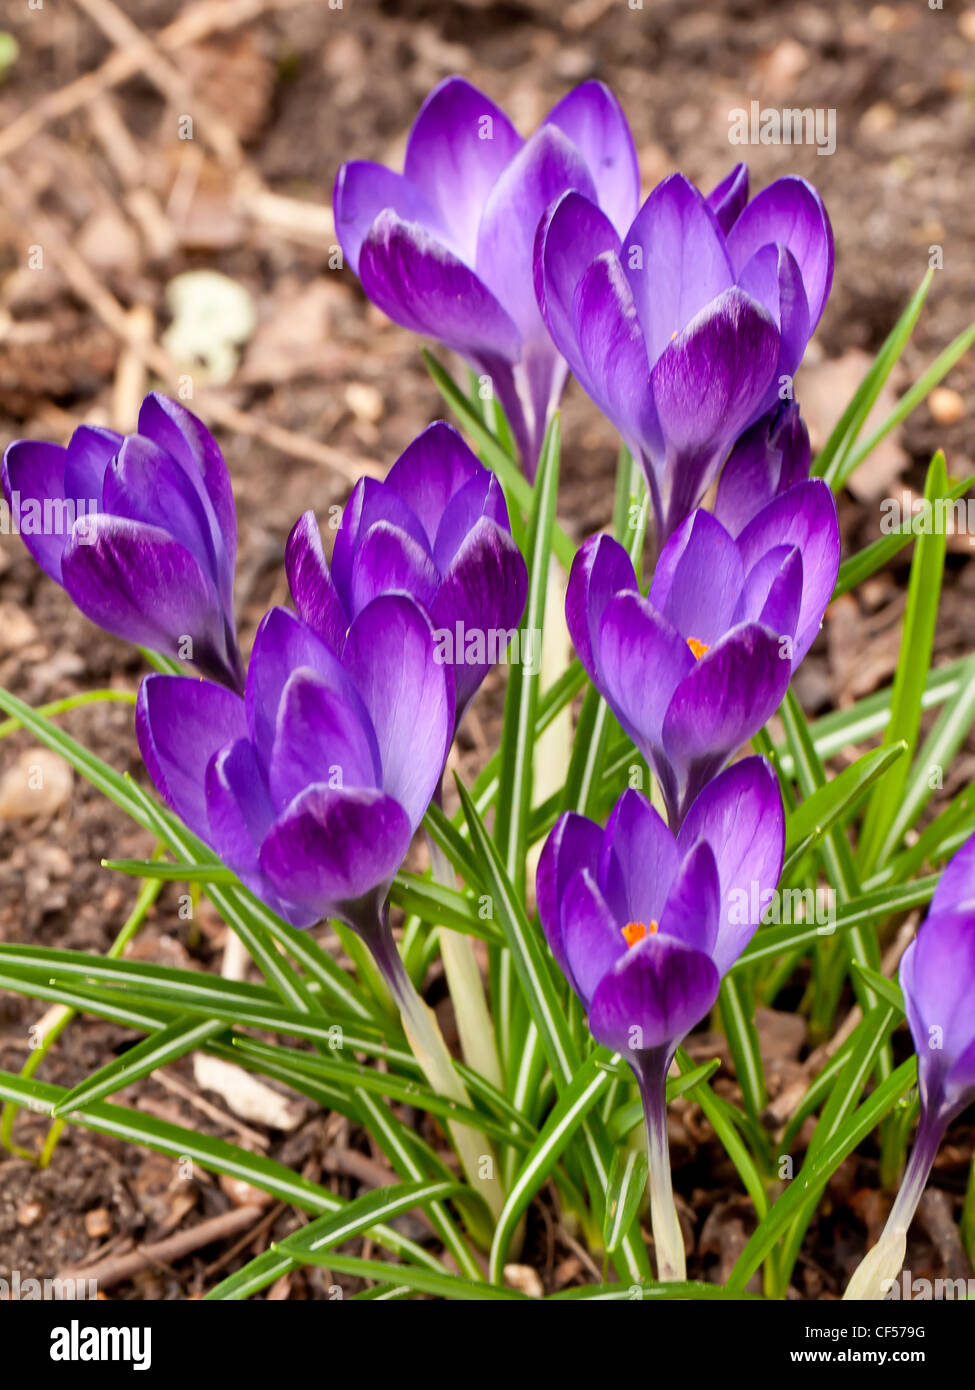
[653,996]
[639,860]
[771,456]
[693,909]
[90,450]
[774,279]
[33,479]
[480,497]
[330,848]
[592,938]
[739,814]
[422,286]
[600,569]
[698,579]
[430,472]
[789,213]
[484,592]
[547,166]
[728,199]
[138,583]
[724,700]
[387,559]
[458,148]
[362,191]
[180,724]
[320,738]
[675,260]
[772,592]
[593,120]
[571,236]
[311,584]
[391,655]
[574,844]
[804,516]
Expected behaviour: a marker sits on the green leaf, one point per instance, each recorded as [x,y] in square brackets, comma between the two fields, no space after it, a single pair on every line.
[157,1050]
[412,1277]
[172,873]
[917,641]
[382,1204]
[832,802]
[888,990]
[627,1184]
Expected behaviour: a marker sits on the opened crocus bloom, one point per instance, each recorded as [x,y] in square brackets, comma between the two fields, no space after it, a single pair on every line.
[645,923]
[937,975]
[311,786]
[140,530]
[698,666]
[685,328]
[445,248]
[438,529]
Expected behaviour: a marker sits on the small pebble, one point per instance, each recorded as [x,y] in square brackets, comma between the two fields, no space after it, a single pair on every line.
[946,406]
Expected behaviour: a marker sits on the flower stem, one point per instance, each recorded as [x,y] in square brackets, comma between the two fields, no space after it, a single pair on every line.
[651,1072]
[881,1265]
[423,1034]
[474,1024]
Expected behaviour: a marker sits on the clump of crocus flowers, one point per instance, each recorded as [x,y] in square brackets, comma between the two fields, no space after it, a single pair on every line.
[309,772]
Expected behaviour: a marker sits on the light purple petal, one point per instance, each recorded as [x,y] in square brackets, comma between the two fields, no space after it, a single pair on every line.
[639,860]
[789,213]
[593,120]
[90,450]
[600,569]
[641,661]
[571,236]
[480,497]
[459,146]
[370,502]
[180,724]
[698,579]
[653,996]
[693,908]
[320,738]
[430,471]
[956,887]
[592,938]
[804,516]
[573,844]
[362,191]
[33,477]
[772,592]
[387,559]
[391,655]
[675,260]
[311,583]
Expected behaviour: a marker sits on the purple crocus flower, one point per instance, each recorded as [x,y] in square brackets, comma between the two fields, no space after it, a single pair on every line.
[769,458]
[937,975]
[645,923]
[310,786]
[682,327]
[445,248]
[698,666]
[139,529]
[438,529]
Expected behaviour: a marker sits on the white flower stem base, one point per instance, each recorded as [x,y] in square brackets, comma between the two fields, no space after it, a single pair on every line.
[668,1239]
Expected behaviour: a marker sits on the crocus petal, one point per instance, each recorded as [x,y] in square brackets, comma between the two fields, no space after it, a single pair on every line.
[311,583]
[653,996]
[771,456]
[772,592]
[139,583]
[387,559]
[370,502]
[739,814]
[639,860]
[936,973]
[698,578]
[33,480]
[956,886]
[430,471]
[284,644]
[804,516]
[724,700]
[593,120]
[641,661]
[591,935]
[330,848]
[484,593]
[600,569]
[728,199]
[683,263]
[420,284]
[320,738]
[190,443]
[362,191]
[547,166]
[89,452]
[774,279]
[574,843]
[390,653]
[571,235]
[457,150]
[789,213]
[180,723]
[693,909]
[481,496]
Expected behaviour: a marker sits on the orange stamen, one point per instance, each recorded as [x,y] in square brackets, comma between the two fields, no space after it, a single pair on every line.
[636,931]
[698,648]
